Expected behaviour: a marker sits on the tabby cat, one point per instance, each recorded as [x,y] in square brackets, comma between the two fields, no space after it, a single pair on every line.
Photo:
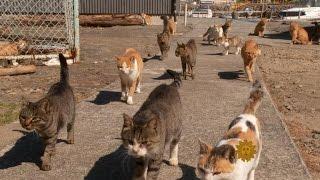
[163,40]
[130,66]
[260,28]
[188,55]
[249,52]
[299,34]
[51,113]
[157,123]
[234,41]
[221,161]
[226,27]
[213,33]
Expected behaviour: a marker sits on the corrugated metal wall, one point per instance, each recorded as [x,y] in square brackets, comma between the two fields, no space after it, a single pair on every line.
[152,7]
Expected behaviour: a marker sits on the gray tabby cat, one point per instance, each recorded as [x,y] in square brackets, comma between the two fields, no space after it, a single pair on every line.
[157,123]
[50,114]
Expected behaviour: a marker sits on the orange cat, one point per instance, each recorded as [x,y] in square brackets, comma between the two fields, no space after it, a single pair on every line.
[146,18]
[249,52]
[260,27]
[299,34]
[223,160]
[13,48]
[130,66]
[169,24]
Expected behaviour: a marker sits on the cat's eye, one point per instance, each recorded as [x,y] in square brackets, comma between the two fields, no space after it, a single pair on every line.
[145,142]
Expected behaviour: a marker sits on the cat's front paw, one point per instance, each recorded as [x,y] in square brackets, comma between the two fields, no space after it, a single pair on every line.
[129,100]
[70,141]
[123,96]
[45,167]
[138,90]
[173,162]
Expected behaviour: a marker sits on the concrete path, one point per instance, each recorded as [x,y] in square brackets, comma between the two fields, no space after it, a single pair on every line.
[210,102]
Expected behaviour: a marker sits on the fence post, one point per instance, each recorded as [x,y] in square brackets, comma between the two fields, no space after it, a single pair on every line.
[76,29]
[185,14]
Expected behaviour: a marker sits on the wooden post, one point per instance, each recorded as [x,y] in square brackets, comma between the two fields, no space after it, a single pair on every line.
[185,14]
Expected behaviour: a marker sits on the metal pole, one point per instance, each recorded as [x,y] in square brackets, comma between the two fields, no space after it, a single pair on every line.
[76,29]
[185,14]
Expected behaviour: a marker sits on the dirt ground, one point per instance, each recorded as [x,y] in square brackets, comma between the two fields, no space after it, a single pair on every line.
[292,74]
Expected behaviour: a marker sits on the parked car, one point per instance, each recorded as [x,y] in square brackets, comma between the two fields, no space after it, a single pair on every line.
[202,13]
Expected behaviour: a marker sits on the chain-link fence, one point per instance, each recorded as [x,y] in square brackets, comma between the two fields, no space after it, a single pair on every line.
[47,27]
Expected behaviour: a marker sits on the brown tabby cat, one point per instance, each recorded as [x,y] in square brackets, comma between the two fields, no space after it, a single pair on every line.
[163,40]
[249,52]
[226,27]
[188,55]
[13,48]
[156,124]
[130,66]
[234,41]
[299,34]
[260,28]
[50,114]
[221,161]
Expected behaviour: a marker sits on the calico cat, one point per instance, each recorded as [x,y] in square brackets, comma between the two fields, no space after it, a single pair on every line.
[188,55]
[226,27]
[221,161]
[13,48]
[299,34]
[130,66]
[157,123]
[51,113]
[260,28]
[213,33]
[234,41]
[163,40]
[249,52]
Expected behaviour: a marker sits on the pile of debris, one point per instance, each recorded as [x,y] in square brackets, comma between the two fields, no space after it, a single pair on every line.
[114,20]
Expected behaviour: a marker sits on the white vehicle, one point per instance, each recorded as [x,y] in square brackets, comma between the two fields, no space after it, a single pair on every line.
[300,13]
[202,13]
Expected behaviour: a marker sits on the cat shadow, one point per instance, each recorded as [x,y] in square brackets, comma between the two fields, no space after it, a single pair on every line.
[116,166]
[206,44]
[215,54]
[188,172]
[27,149]
[165,76]
[105,97]
[155,57]
[282,35]
[230,74]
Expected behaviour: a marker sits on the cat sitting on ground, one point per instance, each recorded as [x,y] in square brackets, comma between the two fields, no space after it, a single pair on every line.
[130,66]
[51,113]
[226,27]
[213,33]
[157,123]
[169,24]
[163,40]
[234,41]
[147,20]
[222,161]
[188,55]
[249,52]
[260,28]
[299,34]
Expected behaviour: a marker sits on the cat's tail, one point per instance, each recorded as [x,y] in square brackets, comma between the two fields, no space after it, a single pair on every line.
[176,77]
[256,95]
[64,70]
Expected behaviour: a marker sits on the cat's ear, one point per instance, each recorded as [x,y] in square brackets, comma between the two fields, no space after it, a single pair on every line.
[183,45]
[117,58]
[178,44]
[204,148]
[45,105]
[127,121]
[24,102]
[152,124]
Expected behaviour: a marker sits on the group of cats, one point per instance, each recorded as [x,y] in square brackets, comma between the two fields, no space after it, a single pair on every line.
[156,124]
